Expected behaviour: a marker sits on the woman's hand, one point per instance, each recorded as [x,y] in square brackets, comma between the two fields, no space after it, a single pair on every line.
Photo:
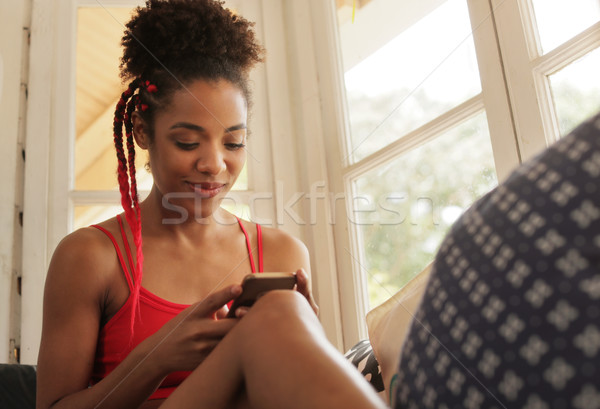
[186,340]
[303,286]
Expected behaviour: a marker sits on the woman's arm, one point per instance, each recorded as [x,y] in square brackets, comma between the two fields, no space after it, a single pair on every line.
[283,252]
[77,288]
[286,253]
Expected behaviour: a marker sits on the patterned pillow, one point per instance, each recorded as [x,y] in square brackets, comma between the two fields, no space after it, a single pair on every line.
[361,355]
[511,315]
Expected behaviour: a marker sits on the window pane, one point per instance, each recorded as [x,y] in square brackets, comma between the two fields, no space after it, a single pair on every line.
[241,210]
[404,209]
[98,87]
[87,215]
[559,20]
[576,91]
[242,182]
[426,70]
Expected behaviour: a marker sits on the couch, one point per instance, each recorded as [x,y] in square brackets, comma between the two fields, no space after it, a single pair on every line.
[17,386]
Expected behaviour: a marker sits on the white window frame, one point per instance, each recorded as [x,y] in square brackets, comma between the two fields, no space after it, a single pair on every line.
[299,131]
[48,117]
[351,280]
[527,70]
[515,96]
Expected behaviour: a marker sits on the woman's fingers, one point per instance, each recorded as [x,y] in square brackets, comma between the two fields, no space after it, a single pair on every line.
[303,287]
[210,306]
[215,329]
[241,311]
[222,312]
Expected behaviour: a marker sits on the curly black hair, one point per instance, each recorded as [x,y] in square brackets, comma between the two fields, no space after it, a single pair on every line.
[174,42]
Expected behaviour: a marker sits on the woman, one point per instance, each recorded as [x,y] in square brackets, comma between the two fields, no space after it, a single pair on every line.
[112,336]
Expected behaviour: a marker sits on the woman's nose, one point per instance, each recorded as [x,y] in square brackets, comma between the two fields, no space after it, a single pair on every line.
[211,161]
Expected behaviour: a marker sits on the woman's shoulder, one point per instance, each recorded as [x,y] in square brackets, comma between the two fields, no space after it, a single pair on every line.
[277,238]
[272,237]
[282,251]
[85,253]
[89,241]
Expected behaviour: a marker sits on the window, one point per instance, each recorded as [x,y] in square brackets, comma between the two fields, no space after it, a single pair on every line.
[550,52]
[95,194]
[442,102]
[573,81]
[558,21]
[576,91]
[419,96]
[399,88]
[415,199]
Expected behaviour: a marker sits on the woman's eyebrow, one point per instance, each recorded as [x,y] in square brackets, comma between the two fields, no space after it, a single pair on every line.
[187,125]
[198,128]
[235,127]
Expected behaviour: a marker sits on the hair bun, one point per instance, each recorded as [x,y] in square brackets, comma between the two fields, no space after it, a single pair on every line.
[184,36]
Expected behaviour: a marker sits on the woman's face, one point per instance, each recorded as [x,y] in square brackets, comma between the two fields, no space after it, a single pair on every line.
[198,149]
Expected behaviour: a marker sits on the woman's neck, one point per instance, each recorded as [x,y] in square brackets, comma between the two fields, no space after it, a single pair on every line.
[160,215]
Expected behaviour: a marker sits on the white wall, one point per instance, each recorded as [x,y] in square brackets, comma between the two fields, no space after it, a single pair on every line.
[50,120]
[14,22]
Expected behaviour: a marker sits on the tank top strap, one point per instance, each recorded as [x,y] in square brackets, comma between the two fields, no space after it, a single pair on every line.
[119,255]
[249,247]
[127,248]
[260,248]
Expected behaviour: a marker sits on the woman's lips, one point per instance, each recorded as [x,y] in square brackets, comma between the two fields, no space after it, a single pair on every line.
[206,190]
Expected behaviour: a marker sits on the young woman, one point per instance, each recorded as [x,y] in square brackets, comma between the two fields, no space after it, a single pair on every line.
[114,337]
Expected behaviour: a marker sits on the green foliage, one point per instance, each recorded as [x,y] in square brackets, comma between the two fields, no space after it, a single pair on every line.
[574,105]
[405,208]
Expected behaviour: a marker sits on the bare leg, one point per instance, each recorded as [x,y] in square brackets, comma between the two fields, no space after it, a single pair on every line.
[280,355]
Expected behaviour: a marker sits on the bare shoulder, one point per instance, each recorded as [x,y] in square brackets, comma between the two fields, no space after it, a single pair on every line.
[87,241]
[82,257]
[75,293]
[283,252]
[280,240]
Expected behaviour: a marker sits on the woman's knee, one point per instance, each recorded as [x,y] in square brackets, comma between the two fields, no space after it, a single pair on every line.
[283,302]
[281,308]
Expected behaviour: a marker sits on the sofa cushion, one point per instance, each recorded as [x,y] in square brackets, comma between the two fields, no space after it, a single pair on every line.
[361,355]
[17,386]
[389,323]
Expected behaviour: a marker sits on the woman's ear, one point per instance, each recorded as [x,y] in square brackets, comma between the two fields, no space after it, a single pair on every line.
[140,131]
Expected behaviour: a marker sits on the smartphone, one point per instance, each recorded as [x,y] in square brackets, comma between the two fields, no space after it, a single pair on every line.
[255,285]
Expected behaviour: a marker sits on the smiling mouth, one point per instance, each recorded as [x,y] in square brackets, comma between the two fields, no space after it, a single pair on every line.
[206,190]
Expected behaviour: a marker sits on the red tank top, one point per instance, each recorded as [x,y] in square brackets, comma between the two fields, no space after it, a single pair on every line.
[154,312]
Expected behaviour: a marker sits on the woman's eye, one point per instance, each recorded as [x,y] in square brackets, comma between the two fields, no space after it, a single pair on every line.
[235,146]
[186,146]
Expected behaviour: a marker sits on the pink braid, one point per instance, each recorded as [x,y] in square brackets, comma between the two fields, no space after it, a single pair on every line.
[129,197]
[134,218]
